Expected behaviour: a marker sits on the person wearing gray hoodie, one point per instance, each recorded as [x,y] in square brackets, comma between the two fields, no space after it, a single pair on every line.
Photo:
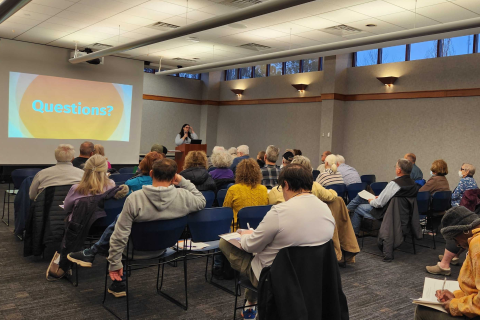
[159,201]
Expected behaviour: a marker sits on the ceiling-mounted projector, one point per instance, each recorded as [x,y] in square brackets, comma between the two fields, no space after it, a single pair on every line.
[85,52]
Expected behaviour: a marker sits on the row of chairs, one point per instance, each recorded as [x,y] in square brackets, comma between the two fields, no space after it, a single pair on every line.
[348,193]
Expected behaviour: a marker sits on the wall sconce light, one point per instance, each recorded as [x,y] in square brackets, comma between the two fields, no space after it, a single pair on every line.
[300,87]
[388,81]
[238,92]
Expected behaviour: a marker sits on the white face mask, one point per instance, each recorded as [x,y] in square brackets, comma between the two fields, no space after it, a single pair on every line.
[431,173]
[460,174]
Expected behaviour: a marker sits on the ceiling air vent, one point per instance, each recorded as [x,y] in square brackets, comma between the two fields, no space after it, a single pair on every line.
[99,46]
[184,60]
[341,30]
[240,3]
[163,26]
[254,46]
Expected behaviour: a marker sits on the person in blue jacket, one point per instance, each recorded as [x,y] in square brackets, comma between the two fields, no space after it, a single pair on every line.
[143,179]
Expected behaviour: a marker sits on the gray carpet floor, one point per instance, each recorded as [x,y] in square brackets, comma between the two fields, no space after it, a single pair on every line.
[374,289]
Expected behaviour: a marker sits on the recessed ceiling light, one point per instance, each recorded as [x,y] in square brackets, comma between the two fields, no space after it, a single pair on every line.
[370,25]
[193,39]
[237,26]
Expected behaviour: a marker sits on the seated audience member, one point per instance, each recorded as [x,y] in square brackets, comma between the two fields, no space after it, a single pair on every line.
[159,149]
[460,226]
[94,181]
[302,220]
[349,174]
[437,182]
[275,196]
[321,167]
[416,172]
[160,201]
[452,251]
[216,149]
[242,153]
[466,183]
[287,159]
[401,186]
[87,149]
[260,159]
[270,171]
[61,174]
[297,152]
[99,149]
[247,190]
[222,175]
[233,152]
[195,170]
[145,166]
[330,175]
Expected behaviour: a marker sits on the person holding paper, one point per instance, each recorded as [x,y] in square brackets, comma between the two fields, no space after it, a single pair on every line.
[302,220]
[462,226]
[401,186]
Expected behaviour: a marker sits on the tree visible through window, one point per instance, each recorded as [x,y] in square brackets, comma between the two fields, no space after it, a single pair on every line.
[457,46]
[260,71]
[246,73]
[276,69]
[292,67]
[310,65]
[367,57]
[423,50]
[231,74]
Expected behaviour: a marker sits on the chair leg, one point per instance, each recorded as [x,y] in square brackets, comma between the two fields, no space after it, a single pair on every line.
[206,270]
[413,242]
[185,278]
[167,296]
[105,289]
[128,294]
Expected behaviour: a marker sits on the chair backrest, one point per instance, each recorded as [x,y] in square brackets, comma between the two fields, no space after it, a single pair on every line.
[354,188]
[19,175]
[157,235]
[221,194]
[205,225]
[423,201]
[231,184]
[121,176]
[441,201]
[112,207]
[252,215]
[211,169]
[209,197]
[368,178]
[315,174]
[340,188]
[378,187]
[127,170]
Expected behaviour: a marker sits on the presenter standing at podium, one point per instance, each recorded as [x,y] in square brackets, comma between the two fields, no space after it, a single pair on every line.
[186,135]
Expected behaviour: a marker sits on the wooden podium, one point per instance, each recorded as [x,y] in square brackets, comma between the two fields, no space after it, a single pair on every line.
[184,150]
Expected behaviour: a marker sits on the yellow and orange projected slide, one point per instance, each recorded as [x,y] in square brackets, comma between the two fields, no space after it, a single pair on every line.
[60,108]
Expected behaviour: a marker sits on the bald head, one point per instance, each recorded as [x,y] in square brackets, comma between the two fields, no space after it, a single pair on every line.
[86,149]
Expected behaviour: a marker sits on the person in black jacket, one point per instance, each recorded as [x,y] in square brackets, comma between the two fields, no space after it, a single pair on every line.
[195,170]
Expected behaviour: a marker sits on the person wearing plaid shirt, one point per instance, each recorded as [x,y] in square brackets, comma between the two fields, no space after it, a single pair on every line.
[270,171]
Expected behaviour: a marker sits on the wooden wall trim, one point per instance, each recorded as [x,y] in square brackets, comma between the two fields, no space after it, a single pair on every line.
[473,92]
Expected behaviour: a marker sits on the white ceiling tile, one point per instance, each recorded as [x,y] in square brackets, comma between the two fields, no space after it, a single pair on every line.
[411,4]
[60,4]
[133,35]
[473,5]
[343,16]
[376,8]
[446,12]
[179,21]
[147,14]
[41,35]
[24,21]
[58,27]
[138,21]
[265,33]
[22,13]
[408,20]
[198,15]
[13,28]
[116,24]
[69,22]
[320,36]
[218,9]
[359,35]
[38,8]
[241,38]
[70,15]
[289,27]
[192,4]
[296,40]
[315,23]
[163,6]
[90,11]
[381,26]
[65,42]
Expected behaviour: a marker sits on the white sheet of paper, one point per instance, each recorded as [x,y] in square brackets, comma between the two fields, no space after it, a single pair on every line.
[366,195]
[194,245]
[431,286]
[231,236]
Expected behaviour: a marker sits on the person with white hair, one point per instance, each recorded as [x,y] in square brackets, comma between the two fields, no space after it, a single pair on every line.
[330,175]
[222,162]
[233,152]
[349,174]
[216,149]
[270,171]
[61,174]
[242,154]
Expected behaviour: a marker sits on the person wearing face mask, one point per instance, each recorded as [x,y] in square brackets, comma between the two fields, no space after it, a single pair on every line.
[437,181]
[466,183]
[451,253]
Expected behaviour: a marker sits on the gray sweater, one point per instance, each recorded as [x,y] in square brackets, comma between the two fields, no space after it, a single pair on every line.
[151,204]
[61,174]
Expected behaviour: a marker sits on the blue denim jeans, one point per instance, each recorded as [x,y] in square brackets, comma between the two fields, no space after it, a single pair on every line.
[361,209]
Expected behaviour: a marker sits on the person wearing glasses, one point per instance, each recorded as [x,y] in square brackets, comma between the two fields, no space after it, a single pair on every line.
[452,252]
[466,183]
[186,135]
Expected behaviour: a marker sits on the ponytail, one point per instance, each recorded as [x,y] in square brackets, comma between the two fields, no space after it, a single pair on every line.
[334,168]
